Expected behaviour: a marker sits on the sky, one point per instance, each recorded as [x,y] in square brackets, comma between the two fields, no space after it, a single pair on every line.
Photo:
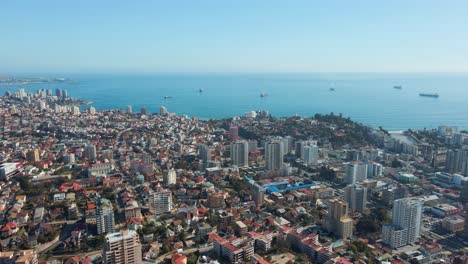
[233,36]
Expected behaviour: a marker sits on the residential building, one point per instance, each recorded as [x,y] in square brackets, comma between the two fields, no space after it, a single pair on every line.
[338,221]
[274,155]
[356,172]
[161,201]
[356,196]
[310,154]
[170,177]
[91,153]
[240,153]
[406,219]
[122,248]
[104,216]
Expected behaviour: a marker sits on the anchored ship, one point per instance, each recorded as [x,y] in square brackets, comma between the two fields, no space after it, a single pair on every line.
[434,95]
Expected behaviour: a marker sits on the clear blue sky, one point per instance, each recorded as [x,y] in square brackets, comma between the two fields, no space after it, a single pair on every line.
[233,36]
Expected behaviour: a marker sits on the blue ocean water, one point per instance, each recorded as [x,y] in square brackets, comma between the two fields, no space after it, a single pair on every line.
[367,98]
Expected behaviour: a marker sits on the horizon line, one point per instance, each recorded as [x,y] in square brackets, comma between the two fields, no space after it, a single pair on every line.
[24,74]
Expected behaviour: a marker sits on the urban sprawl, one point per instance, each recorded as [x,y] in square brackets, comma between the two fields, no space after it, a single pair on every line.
[79,185]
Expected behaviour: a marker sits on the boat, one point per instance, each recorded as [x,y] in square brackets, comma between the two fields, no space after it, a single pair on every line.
[332,89]
[167,97]
[200,90]
[434,95]
[263,95]
[397,87]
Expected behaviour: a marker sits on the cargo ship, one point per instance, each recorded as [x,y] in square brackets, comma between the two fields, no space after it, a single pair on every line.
[434,95]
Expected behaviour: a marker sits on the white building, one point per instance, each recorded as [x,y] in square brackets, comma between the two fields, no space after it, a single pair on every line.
[129,109]
[310,154]
[406,220]
[250,114]
[92,110]
[75,110]
[356,172]
[170,177]
[7,169]
[104,216]
[163,110]
[161,201]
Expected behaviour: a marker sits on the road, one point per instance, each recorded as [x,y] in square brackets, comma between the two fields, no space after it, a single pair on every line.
[50,245]
[185,252]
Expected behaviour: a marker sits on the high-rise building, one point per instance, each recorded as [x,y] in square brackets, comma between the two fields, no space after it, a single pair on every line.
[92,110]
[143,110]
[356,196]
[170,177]
[161,201]
[456,160]
[104,216]
[204,153]
[310,154]
[258,192]
[58,92]
[91,153]
[274,155]
[240,153]
[285,142]
[129,109]
[453,160]
[464,193]
[233,133]
[356,172]
[374,169]
[406,220]
[64,94]
[290,144]
[122,248]
[458,139]
[33,156]
[302,143]
[163,110]
[75,110]
[338,220]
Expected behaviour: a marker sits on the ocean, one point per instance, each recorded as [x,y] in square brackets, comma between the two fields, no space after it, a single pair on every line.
[366,98]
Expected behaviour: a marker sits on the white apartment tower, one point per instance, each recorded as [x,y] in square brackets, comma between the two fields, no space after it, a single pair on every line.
[161,201]
[406,220]
[104,216]
[356,172]
[170,177]
[310,154]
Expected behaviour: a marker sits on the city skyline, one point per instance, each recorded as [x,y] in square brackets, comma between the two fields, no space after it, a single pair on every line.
[207,36]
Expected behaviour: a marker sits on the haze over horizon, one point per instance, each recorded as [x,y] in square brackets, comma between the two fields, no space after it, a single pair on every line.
[242,36]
